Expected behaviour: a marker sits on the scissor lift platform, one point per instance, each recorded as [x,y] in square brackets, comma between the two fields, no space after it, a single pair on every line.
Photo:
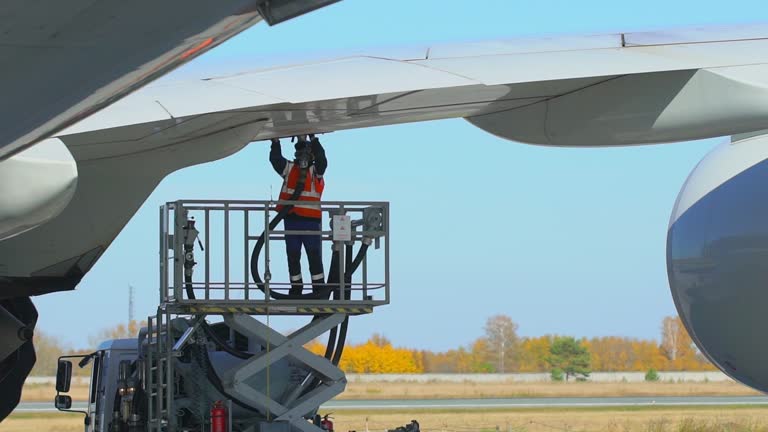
[206,269]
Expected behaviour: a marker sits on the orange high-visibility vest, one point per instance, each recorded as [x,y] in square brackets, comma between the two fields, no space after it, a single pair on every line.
[313,191]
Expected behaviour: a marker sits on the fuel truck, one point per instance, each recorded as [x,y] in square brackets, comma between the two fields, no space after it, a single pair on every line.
[209,360]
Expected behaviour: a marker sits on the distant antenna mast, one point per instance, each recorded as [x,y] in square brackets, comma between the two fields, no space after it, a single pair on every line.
[130,304]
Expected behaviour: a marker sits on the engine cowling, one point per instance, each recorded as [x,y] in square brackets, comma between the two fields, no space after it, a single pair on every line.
[717,258]
[35,186]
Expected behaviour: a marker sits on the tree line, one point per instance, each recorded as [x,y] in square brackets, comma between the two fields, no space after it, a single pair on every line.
[499,350]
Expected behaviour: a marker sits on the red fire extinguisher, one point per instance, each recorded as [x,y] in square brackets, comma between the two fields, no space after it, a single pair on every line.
[218,417]
[327,424]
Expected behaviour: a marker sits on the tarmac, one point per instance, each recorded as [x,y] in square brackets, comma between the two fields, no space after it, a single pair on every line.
[507,403]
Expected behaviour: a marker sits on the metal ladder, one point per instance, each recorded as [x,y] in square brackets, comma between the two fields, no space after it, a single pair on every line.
[157,373]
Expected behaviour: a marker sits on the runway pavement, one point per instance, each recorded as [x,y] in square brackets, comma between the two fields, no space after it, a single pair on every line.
[510,403]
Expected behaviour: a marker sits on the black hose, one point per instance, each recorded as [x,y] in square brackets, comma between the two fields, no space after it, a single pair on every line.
[214,379]
[222,344]
[342,328]
[333,275]
[348,280]
[342,341]
[347,261]
[357,261]
[335,357]
[210,372]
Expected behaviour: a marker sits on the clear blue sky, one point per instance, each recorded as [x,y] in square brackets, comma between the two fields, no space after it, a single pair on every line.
[583,247]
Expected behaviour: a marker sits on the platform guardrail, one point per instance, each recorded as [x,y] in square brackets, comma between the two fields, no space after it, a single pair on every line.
[227,232]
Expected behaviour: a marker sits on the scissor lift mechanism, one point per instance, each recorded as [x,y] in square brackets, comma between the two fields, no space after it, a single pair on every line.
[223,286]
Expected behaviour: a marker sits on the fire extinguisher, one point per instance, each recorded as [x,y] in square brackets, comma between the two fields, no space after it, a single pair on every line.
[327,424]
[218,417]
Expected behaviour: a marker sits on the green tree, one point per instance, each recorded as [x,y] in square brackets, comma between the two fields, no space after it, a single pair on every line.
[556,374]
[652,375]
[570,356]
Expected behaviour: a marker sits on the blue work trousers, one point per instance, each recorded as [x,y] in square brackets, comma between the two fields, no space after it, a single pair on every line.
[312,245]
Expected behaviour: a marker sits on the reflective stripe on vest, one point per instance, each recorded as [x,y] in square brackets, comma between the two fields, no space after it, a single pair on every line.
[313,191]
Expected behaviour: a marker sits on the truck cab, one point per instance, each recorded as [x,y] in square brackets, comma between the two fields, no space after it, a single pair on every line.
[105,365]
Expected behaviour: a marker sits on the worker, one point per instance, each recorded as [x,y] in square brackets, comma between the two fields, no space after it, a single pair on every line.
[307,215]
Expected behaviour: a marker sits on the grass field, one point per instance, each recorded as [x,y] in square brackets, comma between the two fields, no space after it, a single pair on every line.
[445,390]
[643,419]
[699,419]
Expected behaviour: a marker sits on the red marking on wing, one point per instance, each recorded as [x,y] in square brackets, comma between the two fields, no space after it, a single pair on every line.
[197,48]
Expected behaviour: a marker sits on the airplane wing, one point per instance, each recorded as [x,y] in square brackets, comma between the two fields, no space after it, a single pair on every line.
[618,89]
[64,60]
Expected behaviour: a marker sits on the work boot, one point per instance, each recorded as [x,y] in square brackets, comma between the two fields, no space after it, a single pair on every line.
[297,286]
[318,283]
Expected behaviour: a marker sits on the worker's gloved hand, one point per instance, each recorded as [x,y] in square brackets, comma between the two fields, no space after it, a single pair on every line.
[314,144]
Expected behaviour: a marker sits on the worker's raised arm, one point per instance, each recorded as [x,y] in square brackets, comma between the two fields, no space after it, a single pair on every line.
[321,163]
[276,157]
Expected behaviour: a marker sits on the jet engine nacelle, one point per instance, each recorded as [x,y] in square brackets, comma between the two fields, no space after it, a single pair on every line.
[35,186]
[717,258]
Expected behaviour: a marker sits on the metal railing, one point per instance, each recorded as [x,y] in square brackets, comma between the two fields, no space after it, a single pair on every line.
[224,233]
[158,371]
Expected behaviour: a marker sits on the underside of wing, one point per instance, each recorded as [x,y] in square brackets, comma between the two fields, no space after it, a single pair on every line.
[620,89]
[64,60]
[590,91]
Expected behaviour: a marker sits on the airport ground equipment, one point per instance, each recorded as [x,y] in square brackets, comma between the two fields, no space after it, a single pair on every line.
[210,358]
[413,426]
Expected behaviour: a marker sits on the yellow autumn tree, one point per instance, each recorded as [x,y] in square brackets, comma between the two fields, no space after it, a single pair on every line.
[678,347]
[480,356]
[534,352]
[647,356]
[378,356]
[611,353]
[316,347]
